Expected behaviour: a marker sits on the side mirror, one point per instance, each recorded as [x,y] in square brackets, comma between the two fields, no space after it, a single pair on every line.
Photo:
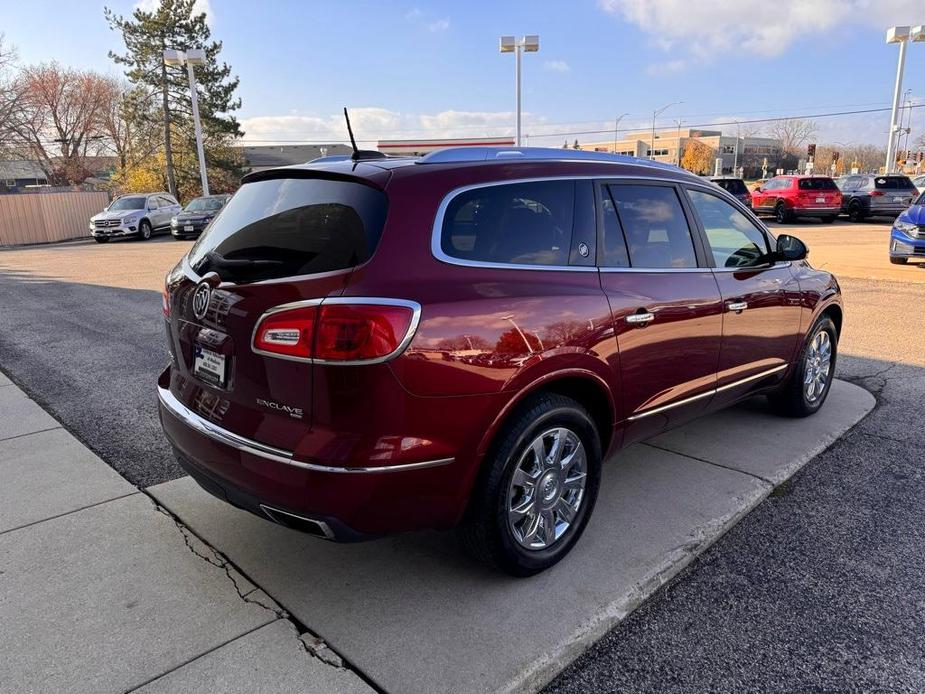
[790,248]
[757,190]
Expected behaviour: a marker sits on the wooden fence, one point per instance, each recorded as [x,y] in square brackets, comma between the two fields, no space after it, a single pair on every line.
[46,217]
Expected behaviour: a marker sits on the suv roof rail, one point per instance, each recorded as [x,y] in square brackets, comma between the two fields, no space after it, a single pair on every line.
[452,155]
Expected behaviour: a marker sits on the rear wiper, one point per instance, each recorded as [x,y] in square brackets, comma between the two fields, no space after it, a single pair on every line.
[216,260]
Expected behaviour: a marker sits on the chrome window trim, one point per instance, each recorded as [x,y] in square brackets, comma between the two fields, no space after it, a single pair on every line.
[436,247]
[362,300]
[277,455]
[712,391]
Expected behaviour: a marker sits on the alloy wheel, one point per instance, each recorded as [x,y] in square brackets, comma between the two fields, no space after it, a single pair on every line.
[818,366]
[547,488]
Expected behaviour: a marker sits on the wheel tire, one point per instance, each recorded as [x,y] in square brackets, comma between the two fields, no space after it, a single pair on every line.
[178,237]
[486,532]
[898,261]
[101,239]
[828,219]
[855,213]
[144,230]
[781,214]
[792,399]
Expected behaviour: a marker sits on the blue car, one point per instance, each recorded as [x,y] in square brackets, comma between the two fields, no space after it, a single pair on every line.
[907,239]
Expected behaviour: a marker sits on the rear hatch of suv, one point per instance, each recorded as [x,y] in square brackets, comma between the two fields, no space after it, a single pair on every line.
[892,192]
[736,187]
[818,191]
[291,236]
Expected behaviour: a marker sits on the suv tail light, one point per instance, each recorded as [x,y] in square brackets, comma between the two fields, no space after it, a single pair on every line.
[876,193]
[345,331]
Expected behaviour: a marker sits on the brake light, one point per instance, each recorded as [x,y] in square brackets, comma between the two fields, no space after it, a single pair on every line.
[337,332]
[876,193]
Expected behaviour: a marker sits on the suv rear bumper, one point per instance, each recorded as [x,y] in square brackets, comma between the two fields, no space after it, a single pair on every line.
[816,211]
[352,502]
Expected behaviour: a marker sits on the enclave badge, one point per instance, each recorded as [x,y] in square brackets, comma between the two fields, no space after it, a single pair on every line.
[201,300]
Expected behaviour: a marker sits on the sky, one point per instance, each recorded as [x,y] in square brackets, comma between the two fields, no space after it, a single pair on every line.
[415,69]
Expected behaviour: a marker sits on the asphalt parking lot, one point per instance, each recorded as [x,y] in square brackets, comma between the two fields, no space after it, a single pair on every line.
[830,562]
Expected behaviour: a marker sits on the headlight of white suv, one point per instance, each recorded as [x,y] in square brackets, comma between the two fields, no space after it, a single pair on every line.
[908,228]
[131,219]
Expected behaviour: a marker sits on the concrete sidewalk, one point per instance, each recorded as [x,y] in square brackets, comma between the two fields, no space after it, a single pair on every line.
[103,590]
[416,616]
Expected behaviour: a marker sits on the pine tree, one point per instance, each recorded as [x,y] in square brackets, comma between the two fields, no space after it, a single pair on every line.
[173,24]
[576,146]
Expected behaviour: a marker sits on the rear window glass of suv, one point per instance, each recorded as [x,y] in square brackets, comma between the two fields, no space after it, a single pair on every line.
[893,183]
[817,184]
[736,186]
[291,226]
[512,224]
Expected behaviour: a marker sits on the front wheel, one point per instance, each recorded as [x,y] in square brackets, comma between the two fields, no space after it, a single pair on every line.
[810,380]
[144,230]
[101,239]
[898,261]
[537,489]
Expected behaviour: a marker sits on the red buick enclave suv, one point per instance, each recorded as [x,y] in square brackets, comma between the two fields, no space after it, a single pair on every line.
[381,345]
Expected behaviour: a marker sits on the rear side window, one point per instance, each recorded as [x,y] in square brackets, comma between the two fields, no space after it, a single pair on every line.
[654,225]
[893,183]
[736,186]
[515,224]
[816,184]
[292,226]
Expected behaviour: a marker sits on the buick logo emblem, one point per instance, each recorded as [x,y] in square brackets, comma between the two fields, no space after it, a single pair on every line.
[201,300]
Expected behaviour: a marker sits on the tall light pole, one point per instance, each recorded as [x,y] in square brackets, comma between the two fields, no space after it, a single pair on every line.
[735,155]
[678,149]
[616,129]
[194,56]
[526,44]
[655,115]
[901,35]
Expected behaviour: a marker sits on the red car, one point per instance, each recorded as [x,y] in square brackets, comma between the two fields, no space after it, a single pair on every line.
[384,345]
[789,197]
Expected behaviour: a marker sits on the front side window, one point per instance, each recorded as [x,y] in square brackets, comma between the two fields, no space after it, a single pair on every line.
[513,224]
[734,240]
[654,225]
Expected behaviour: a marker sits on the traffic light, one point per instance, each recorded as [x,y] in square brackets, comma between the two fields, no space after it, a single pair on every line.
[811,150]
[835,156]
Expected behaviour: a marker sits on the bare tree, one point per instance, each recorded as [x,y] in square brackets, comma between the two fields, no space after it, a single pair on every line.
[793,133]
[9,93]
[125,118]
[58,118]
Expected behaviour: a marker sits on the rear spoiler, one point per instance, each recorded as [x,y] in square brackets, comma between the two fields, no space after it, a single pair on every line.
[376,180]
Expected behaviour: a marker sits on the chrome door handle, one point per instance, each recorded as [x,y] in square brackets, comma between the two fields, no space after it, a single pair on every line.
[737,306]
[640,318]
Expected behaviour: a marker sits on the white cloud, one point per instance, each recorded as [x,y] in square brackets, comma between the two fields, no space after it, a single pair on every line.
[198,6]
[439,25]
[708,28]
[418,16]
[557,66]
[669,67]
[414,14]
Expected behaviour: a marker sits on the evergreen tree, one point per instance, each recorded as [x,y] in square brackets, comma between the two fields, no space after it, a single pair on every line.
[173,24]
[576,146]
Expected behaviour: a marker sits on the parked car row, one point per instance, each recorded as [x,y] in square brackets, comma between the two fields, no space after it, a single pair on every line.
[141,215]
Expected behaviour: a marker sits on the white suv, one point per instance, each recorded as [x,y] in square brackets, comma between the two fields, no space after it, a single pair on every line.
[139,214]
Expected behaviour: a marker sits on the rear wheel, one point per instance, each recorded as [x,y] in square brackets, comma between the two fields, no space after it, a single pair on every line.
[810,380]
[144,230]
[781,214]
[898,261]
[537,489]
[855,212]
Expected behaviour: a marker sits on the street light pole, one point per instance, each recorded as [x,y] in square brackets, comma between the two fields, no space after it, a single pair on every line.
[616,128]
[527,44]
[655,115]
[735,156]
[194,56]
[901,35]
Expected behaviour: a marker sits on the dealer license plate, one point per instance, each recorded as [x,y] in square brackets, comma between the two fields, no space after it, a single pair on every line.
[898,199]
[209,366]
[820,199]
[188,227]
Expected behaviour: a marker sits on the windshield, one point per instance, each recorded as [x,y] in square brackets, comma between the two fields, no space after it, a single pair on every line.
[284,227]
[893,183]
[205,204]
[817,184]
[131,203]
[736,186]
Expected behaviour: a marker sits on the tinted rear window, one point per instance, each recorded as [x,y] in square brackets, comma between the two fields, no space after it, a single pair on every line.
[736,186]
[291,226]
[893,183]
[817,184]
[517,223]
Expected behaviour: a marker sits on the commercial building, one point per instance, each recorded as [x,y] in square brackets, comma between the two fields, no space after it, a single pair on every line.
[669,147]
[261,157]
